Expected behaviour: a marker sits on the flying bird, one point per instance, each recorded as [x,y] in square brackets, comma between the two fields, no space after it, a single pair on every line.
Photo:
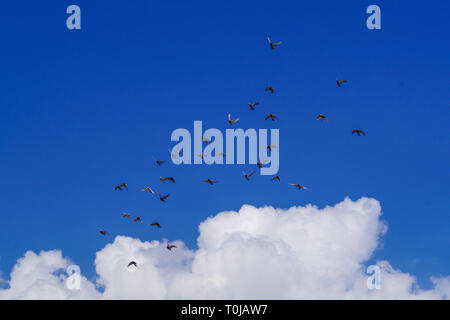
[298,186]
[138,220]
[171,246]
[269,88]
[132,263]
[276,178]
[206,140]
[221,154]
[174,154]
[339,82]
[155,224]
[164,179]
[158,162]
[148,189]
[273,44]
[358,132]
[211,182]
[322,117]
[126,215]
[163,199]
[271,116]
[252,105]
[231,121]
[260,163]
[120,186]
[247,176]
[271,147]
[103,232]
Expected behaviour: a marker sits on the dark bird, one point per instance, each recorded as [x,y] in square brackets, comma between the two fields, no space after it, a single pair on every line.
[132,263]
[158,162]
[269,88]
[247,176]
[211,182]
[260,163]
[171,246]
[174,154]
[138,220]
[339,82]
[273,44]
[271,147]
[271,116]
[252,105]
[103,232]
[155,224]
[163,199]
[120,186]
[167,179]
[321,117]
[299,186]
[150,190]
[126,215]
[358,132]
[276,178]
[231,121]
[206,140]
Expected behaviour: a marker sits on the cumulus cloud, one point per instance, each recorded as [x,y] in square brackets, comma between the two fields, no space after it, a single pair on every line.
[256,253]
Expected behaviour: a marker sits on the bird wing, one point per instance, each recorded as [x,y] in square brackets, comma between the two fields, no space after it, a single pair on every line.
[251,173]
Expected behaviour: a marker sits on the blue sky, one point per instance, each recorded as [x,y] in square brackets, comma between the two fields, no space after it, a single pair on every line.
[81,111]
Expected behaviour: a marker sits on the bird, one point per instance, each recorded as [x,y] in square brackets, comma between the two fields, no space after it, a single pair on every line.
[322,117]
[171,246]
[120,186]
[271,116]
[158,162]
[339,82]
[299,186]
[174,154]
[155,224]
[252,105]
[260,163]
[211,182]
[358,132]
[221,154]
[206,140]
[126,215]
[148,189]
[132,263]
[103,232]
[164,179]
[137,219]
[276,178]
[163,199]
[231,121]
[271,147]
[247,176]
[273,44]
[269,88]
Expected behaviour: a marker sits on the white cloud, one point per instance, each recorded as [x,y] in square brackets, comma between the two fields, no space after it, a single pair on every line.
[256,253]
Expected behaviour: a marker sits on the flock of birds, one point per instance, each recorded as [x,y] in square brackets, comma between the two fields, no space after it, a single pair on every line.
[123,186]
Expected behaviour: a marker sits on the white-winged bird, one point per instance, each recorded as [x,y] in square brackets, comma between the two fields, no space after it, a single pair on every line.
[163,198]
[247,176]
[231,121]
[150,190]
[298,186]
[358,132]
[273,44]
[252,105]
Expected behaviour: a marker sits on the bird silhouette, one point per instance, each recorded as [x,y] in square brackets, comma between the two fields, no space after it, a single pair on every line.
[150,190]
[156,224]
[339,82]
[164,179]
[103,232]
[132,263]
[271,116]
[206,140]
[269,88]
[158,162]
[163,198]
[260,163]
[120,186]
[321,117]
[171,246]
[273,44]
[276,178]
[358,132]
[137,219]
[298,186]
[252,105]
[211,182]
[271,147]
[126,215]
[247,176]
[232,121]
